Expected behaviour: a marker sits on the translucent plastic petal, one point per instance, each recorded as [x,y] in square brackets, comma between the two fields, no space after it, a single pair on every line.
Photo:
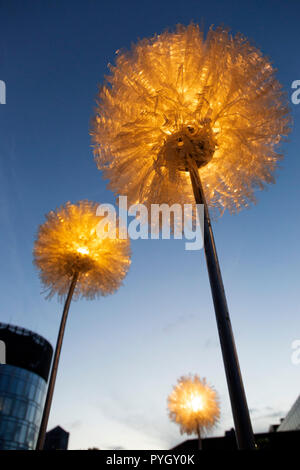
[68,242]
[193,404]
[219,94]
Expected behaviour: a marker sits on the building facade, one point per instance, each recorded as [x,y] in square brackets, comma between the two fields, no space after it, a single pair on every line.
[292,420]
[23,383]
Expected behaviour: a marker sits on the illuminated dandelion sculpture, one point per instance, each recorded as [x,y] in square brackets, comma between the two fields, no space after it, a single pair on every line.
[184,119]
[75,261]
[194,405]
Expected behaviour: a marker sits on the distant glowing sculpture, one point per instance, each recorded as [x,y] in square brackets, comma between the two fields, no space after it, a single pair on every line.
[179,112]
[194,405]
[75,261]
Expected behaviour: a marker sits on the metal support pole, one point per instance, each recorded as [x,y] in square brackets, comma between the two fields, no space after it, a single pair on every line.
[47,406]
[241,417]
[199,438]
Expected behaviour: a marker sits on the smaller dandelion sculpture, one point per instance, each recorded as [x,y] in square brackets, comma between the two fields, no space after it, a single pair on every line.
[194,405]
[76,261]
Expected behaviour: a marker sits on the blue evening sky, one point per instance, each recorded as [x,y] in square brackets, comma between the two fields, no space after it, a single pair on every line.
[122,354]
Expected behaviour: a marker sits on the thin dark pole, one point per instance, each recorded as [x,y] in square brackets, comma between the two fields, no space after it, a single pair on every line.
[241,417]
[47,406]
[199,437]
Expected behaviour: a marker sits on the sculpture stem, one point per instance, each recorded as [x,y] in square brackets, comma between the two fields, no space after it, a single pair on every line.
[241,417]
[47,406]
[199,437]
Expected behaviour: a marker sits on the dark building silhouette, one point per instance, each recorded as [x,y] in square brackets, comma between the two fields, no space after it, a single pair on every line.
[56,439]
[23,381]
[273,427]
[288,440]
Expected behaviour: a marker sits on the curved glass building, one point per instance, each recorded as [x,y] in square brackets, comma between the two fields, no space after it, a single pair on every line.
[23,383]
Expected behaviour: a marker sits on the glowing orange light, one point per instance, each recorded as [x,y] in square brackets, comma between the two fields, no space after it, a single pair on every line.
[69,231]
[218,95]
[194,405]
[83,250]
